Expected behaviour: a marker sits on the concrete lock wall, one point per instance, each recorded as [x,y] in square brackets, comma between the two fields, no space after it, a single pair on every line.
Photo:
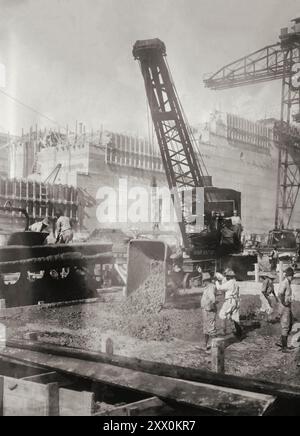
[239,154]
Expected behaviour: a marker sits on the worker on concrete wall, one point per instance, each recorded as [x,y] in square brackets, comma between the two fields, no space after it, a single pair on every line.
[286,314]
[237,225]
[40,226]
[64,232]
[274,258]
[267,294]
[209,309]
[227,236]
[263,262]
[231,307]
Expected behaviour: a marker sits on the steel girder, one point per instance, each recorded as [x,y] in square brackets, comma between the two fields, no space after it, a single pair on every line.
[272,63]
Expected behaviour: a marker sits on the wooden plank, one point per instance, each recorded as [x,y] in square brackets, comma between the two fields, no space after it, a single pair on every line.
[149,407]
[50,377]
[163,369]
[203,396]
[52,399]
[24,398]
[218,356]
[73,403]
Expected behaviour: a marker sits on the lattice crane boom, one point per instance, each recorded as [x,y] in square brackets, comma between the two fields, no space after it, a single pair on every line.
[181,164]
[277,61]
[263,65]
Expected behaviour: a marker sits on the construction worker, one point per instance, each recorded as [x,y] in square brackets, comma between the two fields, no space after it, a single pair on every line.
[209,309]
[227,236]
[64,232]
[40,226]
[285,302]
[263,262]
[237,225]
[267,292]
[274,257]
[231,307]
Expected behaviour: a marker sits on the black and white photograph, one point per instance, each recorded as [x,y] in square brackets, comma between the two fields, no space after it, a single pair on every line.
[149,210]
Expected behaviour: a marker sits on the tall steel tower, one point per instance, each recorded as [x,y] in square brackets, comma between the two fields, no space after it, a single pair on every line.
[277,61]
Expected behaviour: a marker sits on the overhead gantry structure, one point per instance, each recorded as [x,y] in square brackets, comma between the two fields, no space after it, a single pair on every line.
[280,61]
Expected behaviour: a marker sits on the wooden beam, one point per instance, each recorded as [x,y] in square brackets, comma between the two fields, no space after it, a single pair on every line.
[151,406]
[218,356]
[25,398]
[205,397]
[163,369]
[50,377]
[73,403]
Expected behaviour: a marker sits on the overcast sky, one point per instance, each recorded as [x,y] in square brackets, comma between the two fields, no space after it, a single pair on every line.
[71,59]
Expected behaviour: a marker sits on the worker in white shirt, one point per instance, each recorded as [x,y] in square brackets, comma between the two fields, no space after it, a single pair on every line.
[64,232]
[237,224]
[231,307]
[40,226]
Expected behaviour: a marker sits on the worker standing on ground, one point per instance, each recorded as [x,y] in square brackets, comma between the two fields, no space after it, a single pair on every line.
[64,232]
[40,226]
[267,292]
[231,307]
[286,314]
[209,309]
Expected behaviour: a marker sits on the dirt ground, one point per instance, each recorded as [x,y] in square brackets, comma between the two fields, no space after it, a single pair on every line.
[154,333]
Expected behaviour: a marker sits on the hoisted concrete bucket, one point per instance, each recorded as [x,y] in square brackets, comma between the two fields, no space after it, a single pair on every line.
[146,263]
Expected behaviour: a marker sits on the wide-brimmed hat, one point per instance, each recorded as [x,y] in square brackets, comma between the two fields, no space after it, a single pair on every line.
[289,272]
[229,273]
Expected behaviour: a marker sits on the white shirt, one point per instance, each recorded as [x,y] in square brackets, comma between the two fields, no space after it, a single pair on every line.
[231,289]
[63,224]
[236,220]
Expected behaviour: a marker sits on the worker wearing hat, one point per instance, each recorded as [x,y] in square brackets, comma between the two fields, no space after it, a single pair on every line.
[40,226]
[267,292]
[231,307]
[209,308]
[285,302]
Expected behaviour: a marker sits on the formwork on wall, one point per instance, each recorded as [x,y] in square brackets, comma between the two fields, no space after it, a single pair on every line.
[39,199]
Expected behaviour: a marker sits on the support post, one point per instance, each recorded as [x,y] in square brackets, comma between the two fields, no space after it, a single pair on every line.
[218,356]
[2,336]
[280,271]
[107,345]
[256,273]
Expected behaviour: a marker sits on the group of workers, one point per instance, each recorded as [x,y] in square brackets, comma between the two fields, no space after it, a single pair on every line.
[283,300]
[63,229]
[230,310]
[226,283]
